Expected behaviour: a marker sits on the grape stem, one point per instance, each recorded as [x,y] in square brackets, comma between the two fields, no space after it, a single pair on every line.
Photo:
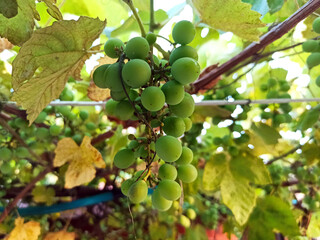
[137,17]
[152,22]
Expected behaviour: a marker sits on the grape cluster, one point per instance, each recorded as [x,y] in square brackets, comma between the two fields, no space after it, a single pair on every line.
[313,46]
[152,91]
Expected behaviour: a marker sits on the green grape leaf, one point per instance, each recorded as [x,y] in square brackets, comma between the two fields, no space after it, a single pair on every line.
[9,8]
[54,53]
[309,118]
[234,177]
[271,214]
[19,28]
[269,135]
[261,6]
[279,73]
[142,5]
[314,226]
[275,5]
[311,152]
[231,15]
[53,10]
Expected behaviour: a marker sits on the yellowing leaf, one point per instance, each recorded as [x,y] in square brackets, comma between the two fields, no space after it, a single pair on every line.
[82,160]
[19,28]
[41,194]
[25,231]
[314,226]
[55,53]
[62,235]
[230,15]
[97,94]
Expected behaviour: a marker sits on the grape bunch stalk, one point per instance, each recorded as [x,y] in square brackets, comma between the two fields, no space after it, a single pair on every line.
[150,90]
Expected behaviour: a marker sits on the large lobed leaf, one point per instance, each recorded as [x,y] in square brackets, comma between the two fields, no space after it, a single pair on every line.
[54,53]
[231,15]
[17,27]
[234,177]
[22,231]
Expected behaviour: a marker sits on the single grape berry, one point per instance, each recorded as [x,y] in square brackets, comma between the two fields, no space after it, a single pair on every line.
[168,148]
[124,110]
[66,95]
[113,80]
[5,154]
[151,38]
[118,95]
[41,117]
[137,47]
[167,171]
[183,32]
[99,77]
[126,185]
[310,46]
[316,25]
[272,82]
[159,202]
[22,152]
[136,73]
[173,91]
[42,133]
[169,189]
[313,60]
[54,130]
[138,191]
[187,123]
[124,158]
[191,214]
[264,87]
[186,156]
[185,70]
[183,51]
[113,47]
[185,108]
[152,98]
[84,114]
[91,126]
[174,126]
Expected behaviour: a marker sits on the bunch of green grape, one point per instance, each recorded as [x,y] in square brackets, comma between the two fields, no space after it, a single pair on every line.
[279,113]
[152,91]
[313,46]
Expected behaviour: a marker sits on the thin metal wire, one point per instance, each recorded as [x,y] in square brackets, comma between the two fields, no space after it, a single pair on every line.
[202,103]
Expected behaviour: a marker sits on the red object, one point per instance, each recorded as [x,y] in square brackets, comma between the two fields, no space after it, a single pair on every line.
[217,234]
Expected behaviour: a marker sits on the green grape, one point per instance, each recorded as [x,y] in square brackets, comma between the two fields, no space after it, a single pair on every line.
[264,87]
[318,81]
[168,148]
[54,130]
[237,128]
[138,191]
[242,116]
[137,47]
[285,95]
[272,94]
[280,118]
[187,123]
[285,87]
[66,95]
[187,173]
[99,77]
[310,46]
[136,73]
[113,80]
[313,60]
[91,126]
[124,110]
[41,117]
[167,171]
[71,116]
[288,118]
[220,94]
[126,185]
[216,120]
[185,70]
[286,107]
[152,98]
[22,152]
[272,82]
[169,189]
[184,221]
[234,151]
[64,110]
[77,138]
[42,133]
[118,96]
[133,144]
[84,115]
[124,158]
[151,38]
[266,115]
[186,156]
[183,32]
[5,154]
[6,168]
[68,132]
[174,126]
[191,214]
[217,141]
[173,91]
[159,202]
[316,25]
[143,152]
[263,106]
[183,51]
[20,123]
[113,47]
[185,108]
[244,138]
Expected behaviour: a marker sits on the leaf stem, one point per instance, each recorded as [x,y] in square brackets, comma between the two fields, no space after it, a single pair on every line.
[137,17]
[152,22]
